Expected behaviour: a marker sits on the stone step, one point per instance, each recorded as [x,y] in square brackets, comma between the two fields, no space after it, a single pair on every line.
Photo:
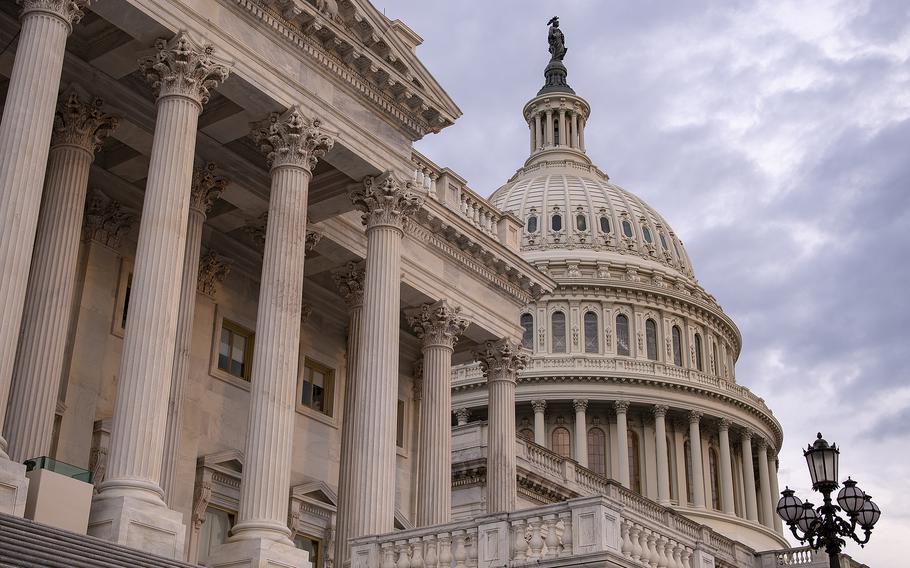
[27,544]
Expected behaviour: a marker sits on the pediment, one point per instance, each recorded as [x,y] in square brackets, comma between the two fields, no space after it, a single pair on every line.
[227,461]
[317,491]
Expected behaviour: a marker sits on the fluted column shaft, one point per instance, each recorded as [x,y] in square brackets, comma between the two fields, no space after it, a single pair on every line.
[79,129]
[726,468]
[698,471]
[434,464]
[749,477]
[581,134]
[540,425]
[663,463]
[581,432]
[764,482]
[562,127]
[538,129]
[775,493]
[622,441]
[575,130]
[25,135]
[549,127]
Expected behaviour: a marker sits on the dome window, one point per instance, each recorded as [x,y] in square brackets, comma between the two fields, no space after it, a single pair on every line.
[622,335]
[663,242]
[646,232]
[532,224]
[556,222]
[605,224]
[558,323]
[592,345]
[677,346]
[527,335]
[699,363]
[627,228]
[651,339]
[581,222]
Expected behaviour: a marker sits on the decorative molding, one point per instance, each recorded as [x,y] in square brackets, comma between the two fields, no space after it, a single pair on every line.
[183,68]
[288,139]
[212,270]
[437,324]
[539,405]
[580,405]
[256,228]
[81,124]
[312,239]
[660,410]
[349,281]
[206,188]
[106,220]
[501,360]
[621,406]
[385,201]
[462,415]
[695,416]
[68,10]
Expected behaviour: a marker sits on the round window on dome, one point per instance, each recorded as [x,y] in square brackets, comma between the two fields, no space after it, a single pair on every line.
[627,229]
[581,222]
[604,224]
[647,234]
[532,224]
[556,222]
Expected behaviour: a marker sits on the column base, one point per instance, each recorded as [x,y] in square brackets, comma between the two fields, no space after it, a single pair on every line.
[138,524]
[13,488]
[259,553]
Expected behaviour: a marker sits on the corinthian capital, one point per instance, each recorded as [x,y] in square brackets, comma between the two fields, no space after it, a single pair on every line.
[312,239]
[437,324]
[384,200]
[580,405]
[68,10]
[183,68]
[621,406]
[81,124]
[106,220]
[212,270]
[349,281]
[206,188]
[501,360]
[289,139]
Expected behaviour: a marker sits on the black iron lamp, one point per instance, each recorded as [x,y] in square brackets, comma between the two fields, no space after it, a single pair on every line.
[821,527]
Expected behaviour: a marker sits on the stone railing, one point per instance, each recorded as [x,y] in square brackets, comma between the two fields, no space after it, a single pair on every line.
[802,557]
[586,531]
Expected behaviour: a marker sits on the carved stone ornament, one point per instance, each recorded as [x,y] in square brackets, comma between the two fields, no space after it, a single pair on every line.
[724,424]
[106,220]
[539,405]
[349,281]
[69,10]
[541,337]
[694,417]
[501,359]
[289,139]
[437,324]
[203,494]
[621,406]
[580,405]
[183,68]
[81,124]
[206,188]
[462,415]
[386,201]
[306,310]
[575,335]
[660,410]
[255,228]
[312,239]
[212,270]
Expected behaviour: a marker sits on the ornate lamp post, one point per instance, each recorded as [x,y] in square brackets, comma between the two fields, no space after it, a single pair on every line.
[822,526]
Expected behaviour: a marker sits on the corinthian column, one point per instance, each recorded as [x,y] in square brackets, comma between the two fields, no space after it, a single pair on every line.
[766,507]
[540,424]
[698,471]
[25,135]
[386,203]
[663,462]
[581,432]
[182,72]
[622,440]
[349,281]
[438,326]
[726,467]
[749,476]
[206,188]
[501,360]
[79,130]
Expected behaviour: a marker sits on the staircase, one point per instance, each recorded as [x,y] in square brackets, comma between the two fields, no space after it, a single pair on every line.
[27,544]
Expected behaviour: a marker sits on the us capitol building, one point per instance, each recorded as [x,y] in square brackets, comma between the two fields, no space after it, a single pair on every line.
[243,323]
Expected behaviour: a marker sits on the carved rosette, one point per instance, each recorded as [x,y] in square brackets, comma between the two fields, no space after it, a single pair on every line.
[106,220]
[206,188]
[81,124]
[386,201]
[289,139]
[68,10]
[437,324]
[212,270]
[501,360]
[183,68]
[349,281]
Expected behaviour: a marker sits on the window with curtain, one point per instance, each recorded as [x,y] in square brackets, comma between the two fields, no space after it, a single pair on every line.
[560,442]
[316,387]
[558,322]
[597,451]
[699,363]
[715,479]
[592,344]
[622,334]
[651,339]
[687,455]
[634,462]
[527,334]
[677,346]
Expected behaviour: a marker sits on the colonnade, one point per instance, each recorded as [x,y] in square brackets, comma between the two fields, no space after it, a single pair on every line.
[557,127]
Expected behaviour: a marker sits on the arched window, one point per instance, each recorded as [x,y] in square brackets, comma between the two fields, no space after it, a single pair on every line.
[556,222]
[597,455]
[581,222]
[527,334]
[622,334]
[604,224]
[687,455]
[558,321]
[559,440]
[646,232]
[526,434]
[634,462]
[715,478]
[651,339]
[677,346]
[699,363]
[532,224]
[592,345]
[627,228]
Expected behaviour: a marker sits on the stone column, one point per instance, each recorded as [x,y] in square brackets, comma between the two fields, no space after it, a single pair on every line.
[698,472]
[726,467]
[386,203]
[205,189]
[462,416]
[292,145]
[622,440]
[562,127]
[749,476]
[539,131]
[79,130]
[581,134]
[25,135]
[533,135]
[575,130]
[549,126]
[765,508]
[501,361]
[438,326]
[775,493]
[540,423]
[581,432]
[349,281]
[182,72]
[663,463]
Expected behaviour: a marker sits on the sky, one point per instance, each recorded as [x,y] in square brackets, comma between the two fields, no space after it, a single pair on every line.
[774,137]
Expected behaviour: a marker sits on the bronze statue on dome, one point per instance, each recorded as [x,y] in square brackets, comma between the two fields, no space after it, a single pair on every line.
[556,39]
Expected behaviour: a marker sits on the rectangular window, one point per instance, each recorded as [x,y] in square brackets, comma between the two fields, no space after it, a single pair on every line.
[312,545]
[235,350]
[317,387]
[399,425]
[216,526]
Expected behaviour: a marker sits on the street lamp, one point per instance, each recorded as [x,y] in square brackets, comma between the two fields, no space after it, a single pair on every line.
[822,526]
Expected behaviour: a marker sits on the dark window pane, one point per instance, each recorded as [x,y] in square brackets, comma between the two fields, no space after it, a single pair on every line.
[224,350]
[627,229]
[532,224]
[647,234]
[527,335]
[559,332]
[597,451]
[622,334]
[556,222]
[581,222]
[605,224]
[677,346]
[651,337]
[663,241]
[126,299]
[399,425]
[698,356]
[592,345]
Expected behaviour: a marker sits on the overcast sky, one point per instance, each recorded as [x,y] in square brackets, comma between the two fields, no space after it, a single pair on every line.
[775,139]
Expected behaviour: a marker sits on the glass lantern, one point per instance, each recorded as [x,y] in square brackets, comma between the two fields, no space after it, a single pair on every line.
[822,461]
[851,498]
[790,507]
